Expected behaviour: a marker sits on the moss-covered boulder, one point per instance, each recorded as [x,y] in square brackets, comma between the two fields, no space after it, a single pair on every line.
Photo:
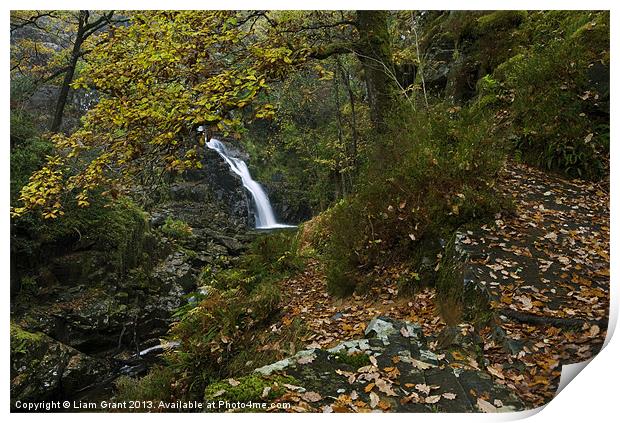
[43,368]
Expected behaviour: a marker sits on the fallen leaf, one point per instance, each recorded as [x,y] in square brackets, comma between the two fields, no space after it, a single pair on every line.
[424,388]
[374,400]
[311,396]
[485,406]
[373,360]
[432,399]
[421,364]
[448,395]
[384,405]
[385,387]
[306,359]
[233,382]
[496,370]
[294,387]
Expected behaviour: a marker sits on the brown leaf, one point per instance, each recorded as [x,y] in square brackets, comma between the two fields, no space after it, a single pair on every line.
[421,364]
[306,359]
[432,399]
[374,400]
[496,370]
[424,388]
[311,396]
[373,360]
[485,406]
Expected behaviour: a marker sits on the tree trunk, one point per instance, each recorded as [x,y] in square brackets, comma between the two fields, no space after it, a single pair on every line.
[64,94]
[66,82]
[352,151]
[375,54]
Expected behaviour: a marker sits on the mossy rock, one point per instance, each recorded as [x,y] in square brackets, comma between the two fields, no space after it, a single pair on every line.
[43,368]
[248,388]
[500,20]
[356,360]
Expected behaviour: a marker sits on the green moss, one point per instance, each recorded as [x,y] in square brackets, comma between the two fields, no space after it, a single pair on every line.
[500,20]
[250,388]
[354,360]
[457,301]
[23,341]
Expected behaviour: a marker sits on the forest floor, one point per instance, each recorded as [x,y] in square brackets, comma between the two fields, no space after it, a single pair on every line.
[545,270]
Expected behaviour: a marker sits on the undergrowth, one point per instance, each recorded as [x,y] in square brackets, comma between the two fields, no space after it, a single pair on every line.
[428,177]
[223,332]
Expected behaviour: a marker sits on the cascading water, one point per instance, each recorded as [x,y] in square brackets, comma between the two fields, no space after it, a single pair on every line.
[265,218]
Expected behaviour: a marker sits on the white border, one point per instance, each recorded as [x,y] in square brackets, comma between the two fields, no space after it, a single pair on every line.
[591,397]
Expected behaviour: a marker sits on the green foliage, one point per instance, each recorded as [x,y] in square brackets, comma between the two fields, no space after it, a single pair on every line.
[217,330]
[28,285]
[309,151]
[155,386]
[27,155]
[22,127]
[176,228]
[557,94]
[276,254]
[500,20]
[426,179]
[117,228]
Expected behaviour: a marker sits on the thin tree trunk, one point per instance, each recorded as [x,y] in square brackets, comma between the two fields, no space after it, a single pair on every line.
[420,63]
[85,30]
[343,187]
[354,136]
[66,82]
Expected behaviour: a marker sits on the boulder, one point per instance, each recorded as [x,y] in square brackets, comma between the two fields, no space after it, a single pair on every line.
[44,369]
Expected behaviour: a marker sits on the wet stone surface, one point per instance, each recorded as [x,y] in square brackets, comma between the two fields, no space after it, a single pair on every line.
[402,374]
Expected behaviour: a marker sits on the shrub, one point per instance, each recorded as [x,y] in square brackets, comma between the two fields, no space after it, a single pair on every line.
[274,254]
[559,94]
[176,228]
[155,386]
[425,180]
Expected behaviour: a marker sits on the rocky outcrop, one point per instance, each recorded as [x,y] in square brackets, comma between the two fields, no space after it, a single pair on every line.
[392,369]
[96,302]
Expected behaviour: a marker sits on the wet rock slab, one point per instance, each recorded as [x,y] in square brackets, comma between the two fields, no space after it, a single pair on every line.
[401,374]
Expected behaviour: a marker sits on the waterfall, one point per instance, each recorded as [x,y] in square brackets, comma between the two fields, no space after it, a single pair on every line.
[265,218]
